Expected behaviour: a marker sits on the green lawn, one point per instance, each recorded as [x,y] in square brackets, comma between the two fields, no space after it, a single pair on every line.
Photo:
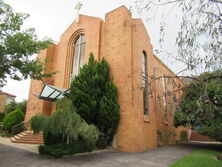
[200,158]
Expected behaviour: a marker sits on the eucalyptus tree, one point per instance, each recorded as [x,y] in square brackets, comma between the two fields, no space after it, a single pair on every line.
[198,43]
[201,106]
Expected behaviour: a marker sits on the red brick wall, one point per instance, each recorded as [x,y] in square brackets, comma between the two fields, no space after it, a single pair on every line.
[198,137]
[121,41]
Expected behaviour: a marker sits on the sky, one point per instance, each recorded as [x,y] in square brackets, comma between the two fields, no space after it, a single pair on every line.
[50,18]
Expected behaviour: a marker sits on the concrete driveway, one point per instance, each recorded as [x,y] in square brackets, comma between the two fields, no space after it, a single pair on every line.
[162,157]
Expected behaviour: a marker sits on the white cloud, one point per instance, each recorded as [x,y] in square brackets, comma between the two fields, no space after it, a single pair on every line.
[51,18]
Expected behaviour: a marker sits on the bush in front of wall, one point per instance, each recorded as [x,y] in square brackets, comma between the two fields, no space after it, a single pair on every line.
[67,133]
[183,136]
[95,97]
[165,137]
[60,149]
[12,119]
[14,105]
[2,116]
[38,123]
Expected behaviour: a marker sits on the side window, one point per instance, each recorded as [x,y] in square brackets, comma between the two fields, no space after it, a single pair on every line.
[164,93]
[79,54]
[145,82]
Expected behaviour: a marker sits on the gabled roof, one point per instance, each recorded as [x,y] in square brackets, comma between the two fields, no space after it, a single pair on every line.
[8,94]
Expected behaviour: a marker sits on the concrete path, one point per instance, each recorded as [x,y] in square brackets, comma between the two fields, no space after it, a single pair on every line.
[11,156]
[28,147]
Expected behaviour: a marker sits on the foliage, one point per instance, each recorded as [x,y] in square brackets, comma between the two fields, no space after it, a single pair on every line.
[64,129]
[159,138]
[2,116]
[5,134]
[168,136]
[49,139]
[201,157]
[10,107]
[22,105]
[17,46]
[14,105]
[12,119]
[38,123]
[201,106]
[70,126]
[198,39]
[95,98]
[183,136]
[58,150]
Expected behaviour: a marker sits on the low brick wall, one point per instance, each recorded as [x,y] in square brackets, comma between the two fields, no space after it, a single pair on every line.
[198,137]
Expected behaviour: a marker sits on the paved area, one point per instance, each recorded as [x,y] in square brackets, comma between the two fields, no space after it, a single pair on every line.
[11,156]
[28,147]
[25,155]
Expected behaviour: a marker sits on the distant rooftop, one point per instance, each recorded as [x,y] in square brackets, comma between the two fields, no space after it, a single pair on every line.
[8,94]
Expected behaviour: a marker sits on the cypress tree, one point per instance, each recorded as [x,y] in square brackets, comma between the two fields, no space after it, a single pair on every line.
[95,97]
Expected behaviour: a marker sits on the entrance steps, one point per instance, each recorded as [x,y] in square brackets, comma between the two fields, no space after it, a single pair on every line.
[28,137]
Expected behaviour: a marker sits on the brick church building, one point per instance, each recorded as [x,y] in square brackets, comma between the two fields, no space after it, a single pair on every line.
[147,104]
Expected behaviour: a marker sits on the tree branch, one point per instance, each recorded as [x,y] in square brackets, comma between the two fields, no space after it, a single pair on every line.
[176,76]
[182,70]
[166,3]
[199,82]
[216,1]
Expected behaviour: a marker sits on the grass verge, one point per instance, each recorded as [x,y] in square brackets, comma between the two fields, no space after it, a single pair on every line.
[200,158]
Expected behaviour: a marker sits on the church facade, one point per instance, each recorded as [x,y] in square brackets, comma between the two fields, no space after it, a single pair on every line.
[148,92]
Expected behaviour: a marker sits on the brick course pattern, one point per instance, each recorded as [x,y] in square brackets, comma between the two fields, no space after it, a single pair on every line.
[120,39]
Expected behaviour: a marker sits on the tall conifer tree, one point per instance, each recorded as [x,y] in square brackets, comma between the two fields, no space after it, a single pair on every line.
[95,97]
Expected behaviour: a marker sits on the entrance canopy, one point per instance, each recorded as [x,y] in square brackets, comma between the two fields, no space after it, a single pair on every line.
[52,93]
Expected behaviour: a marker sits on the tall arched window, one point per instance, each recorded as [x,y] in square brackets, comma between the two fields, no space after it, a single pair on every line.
[145,82]
[79,54]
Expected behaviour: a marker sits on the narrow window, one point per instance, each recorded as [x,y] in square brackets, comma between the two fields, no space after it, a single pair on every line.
[164,93]
[79,54]
[145,82]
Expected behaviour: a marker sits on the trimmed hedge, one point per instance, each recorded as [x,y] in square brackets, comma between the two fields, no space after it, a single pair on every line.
[60,149]
[12,119]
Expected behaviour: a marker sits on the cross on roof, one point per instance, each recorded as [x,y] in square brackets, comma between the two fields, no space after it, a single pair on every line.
[78,7]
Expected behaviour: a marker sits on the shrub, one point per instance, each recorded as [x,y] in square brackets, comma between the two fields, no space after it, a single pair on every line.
[38,123]
[5,134]
[2,116]
[166,137]
[70,126]
[201,105]
[60,149]
[49,139]
[159,134]
[183,136]
[14,105]
[67,133]
[95,97]
[12,119]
